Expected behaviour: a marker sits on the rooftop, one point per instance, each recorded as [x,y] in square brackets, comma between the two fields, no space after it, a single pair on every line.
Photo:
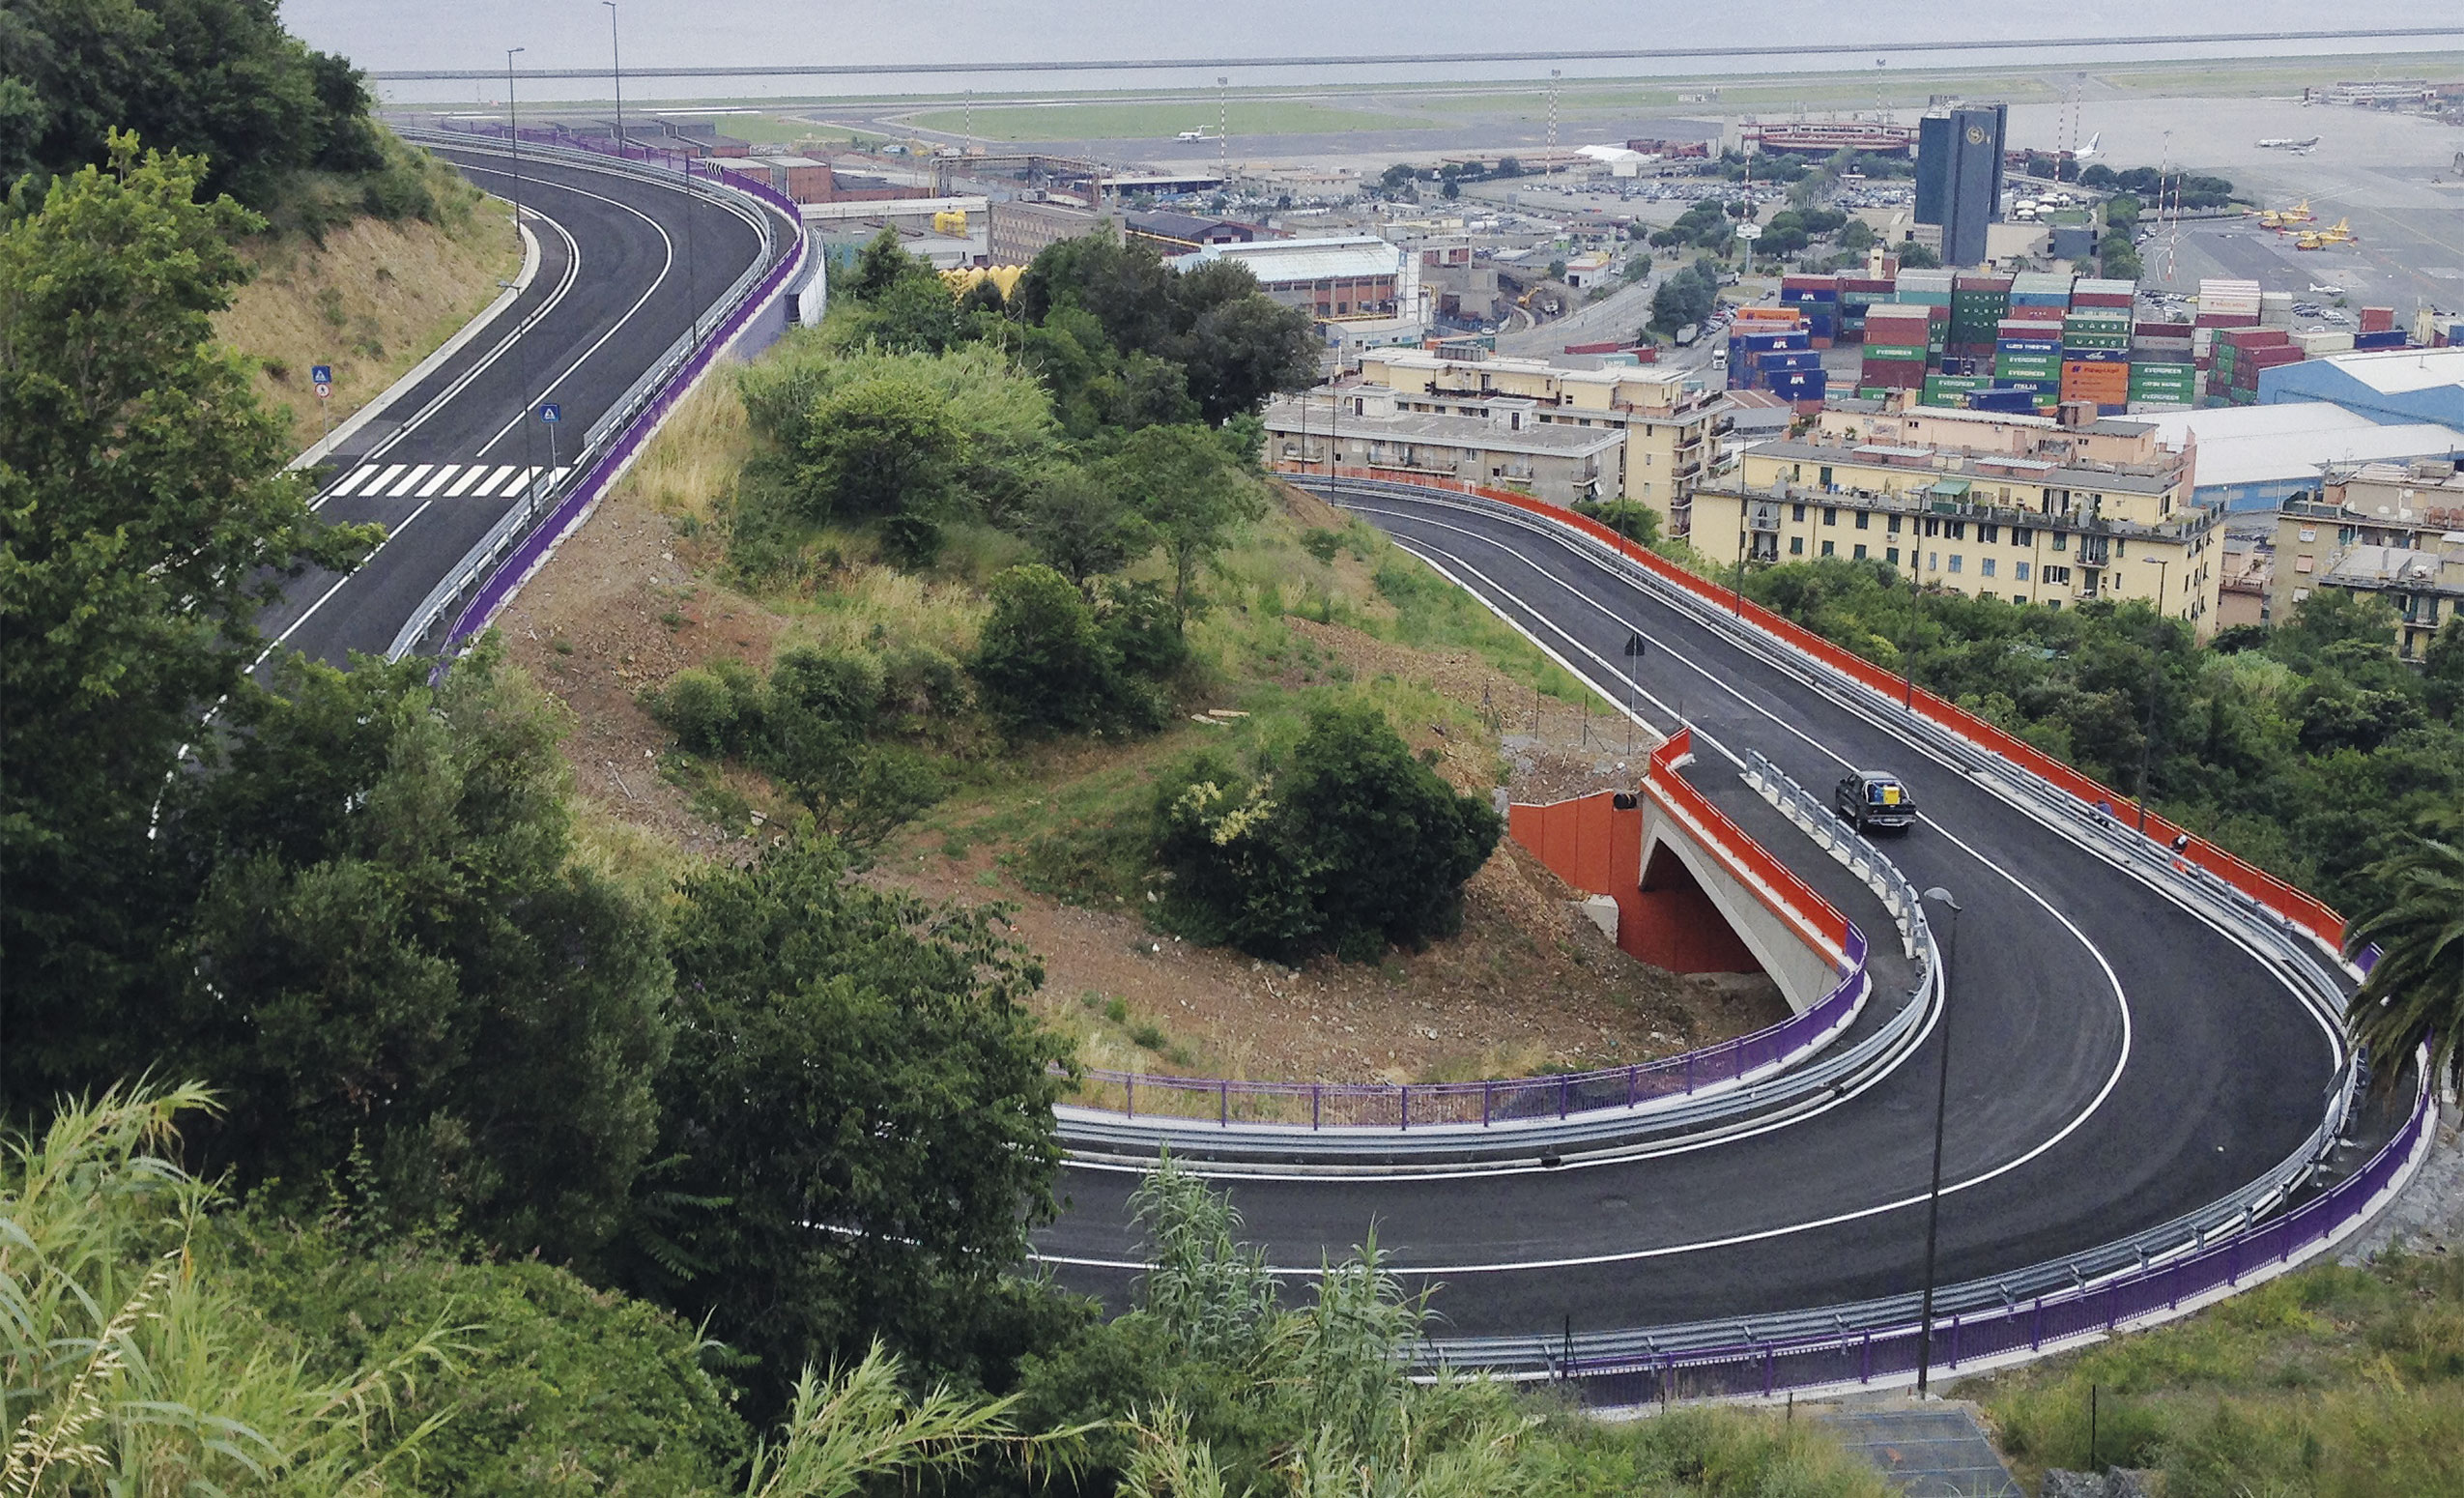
[2397,371]
[1541,439]
[1954,463]
[1306,260]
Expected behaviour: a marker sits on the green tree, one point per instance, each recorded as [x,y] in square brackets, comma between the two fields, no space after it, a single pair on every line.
[218,81]
[1184,486]
[882,265]
[400,976]
[2417,986]
[1856,236]
[1914,256]
[1245,349]
[859,1113]
[1348,844]
[145,520]
[884,449]
[1083,527]
[1045,665]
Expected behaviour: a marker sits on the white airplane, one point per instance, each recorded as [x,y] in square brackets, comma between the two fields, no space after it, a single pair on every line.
[2287,143]
[1190,135]
[2089,152]
[2326,291]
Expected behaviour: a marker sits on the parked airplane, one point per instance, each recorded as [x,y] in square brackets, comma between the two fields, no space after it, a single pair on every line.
[2326,291]
[1190,135]
[2286,143]
[2089,152]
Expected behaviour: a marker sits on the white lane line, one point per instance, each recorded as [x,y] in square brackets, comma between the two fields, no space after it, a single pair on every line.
[469,476]
[495,478]
[437,482]
[414,477]
[666,268]
[322,598]
[351,481]
[2112,980]
[556,296]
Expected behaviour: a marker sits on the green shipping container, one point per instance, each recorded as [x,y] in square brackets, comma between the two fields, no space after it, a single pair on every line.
[1895,351]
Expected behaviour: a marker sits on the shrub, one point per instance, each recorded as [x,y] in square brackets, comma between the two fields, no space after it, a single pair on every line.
[1354,844]
[1046,663]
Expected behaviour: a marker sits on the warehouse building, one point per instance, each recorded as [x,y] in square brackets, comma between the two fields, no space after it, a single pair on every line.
[2257,457]
[2395,386]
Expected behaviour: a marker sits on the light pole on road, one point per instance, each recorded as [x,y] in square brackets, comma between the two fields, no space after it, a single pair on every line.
[1937,895]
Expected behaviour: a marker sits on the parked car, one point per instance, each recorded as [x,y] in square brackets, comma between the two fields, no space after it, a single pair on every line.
[1874,801]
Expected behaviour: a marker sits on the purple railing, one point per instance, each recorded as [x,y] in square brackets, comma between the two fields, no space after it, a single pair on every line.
[507,577]
[1226,1102]
[2024,1326]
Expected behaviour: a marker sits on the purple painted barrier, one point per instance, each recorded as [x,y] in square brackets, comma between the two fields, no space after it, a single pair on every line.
[508,576]
[2026,1325]
[1408,1105]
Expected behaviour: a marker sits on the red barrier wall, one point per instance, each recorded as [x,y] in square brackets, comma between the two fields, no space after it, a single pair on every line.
[1597,845]
[2301,910]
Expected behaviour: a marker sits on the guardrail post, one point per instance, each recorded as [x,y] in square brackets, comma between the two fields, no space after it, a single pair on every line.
[1223,1103]
[1767,1372]
[1689,1073]
[1864,1363]
[1130,1089]
[1313,1105]
[1955,1341]
[1406,1096]
[1564,1095]
[1488,1094]
[1630,1072]
[2036,1329]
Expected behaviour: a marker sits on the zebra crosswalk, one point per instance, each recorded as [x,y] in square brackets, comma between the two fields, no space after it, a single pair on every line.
[438,480]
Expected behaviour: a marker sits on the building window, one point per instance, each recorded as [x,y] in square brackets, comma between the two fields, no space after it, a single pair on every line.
[2057,576]
[2309,533]
[1891,555]
[1863,523]
[1829,548]
[1957,529]
[2022,535]
[1987,595]
[2121,548]
[2020,572]
[1933,562]
[1986,567]
[1830,514]
[2061,540]
[1797,513]
[1796,546]
[1860,551]
[1933,526]
[1891,522]
[1826,475]
[1956,559]
[1988,534]
[2304,564]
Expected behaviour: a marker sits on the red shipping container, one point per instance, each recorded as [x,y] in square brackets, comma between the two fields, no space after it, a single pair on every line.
[2101,298]
[2377,319]
[2228,320]
[2255,337]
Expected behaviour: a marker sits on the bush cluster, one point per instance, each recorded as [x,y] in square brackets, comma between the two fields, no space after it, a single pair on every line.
[1344,844]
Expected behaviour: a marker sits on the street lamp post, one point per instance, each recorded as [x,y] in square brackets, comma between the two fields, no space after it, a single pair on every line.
[1942,1111]
[530,447]
[616,56]
[2147,739]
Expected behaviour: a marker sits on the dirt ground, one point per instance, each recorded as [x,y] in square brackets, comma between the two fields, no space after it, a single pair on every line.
[1529,984]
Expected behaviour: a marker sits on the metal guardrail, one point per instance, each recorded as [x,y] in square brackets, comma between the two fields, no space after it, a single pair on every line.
[1359,1121]
[548,512]
[2217,1245]
[1844,844]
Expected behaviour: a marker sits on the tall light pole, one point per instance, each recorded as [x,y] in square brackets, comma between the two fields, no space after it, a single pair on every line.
[1942,1111]
[615,55]
[1223,129]
[2155,658]
[529,444]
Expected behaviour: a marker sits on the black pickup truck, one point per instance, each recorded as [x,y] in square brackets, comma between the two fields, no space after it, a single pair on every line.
[1874,801]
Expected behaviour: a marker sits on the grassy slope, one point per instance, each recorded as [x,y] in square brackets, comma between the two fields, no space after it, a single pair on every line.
[2327,1382]
[373,301]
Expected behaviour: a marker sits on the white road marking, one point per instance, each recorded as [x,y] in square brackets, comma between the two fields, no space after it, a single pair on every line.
[352,481]
[495,478]
[469,476]
[309,613]
[404,487]
[437,482]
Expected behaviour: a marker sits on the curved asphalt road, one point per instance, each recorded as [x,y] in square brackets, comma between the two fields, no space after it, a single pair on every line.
[620,280]
[2116,1061]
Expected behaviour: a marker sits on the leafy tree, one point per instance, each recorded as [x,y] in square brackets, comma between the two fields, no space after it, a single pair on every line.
[1044,664]
[2417,986]
[858,1110]
[1184,486]
[400,976]
[1083,527]
[145,520]
[2442,669]
[218,80]
[889,449]
[1684,295]
[1350,845]
[1914,256]
[1629,518]
[1856,236]
[882,265]
[2097,175]
[1245,349]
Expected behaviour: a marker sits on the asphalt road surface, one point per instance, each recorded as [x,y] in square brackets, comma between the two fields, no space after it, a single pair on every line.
[2116,1061]
[622,270]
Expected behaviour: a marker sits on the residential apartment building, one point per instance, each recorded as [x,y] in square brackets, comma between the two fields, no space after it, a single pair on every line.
[1670,425]
[2393,530]
[2052,530]
[1504,446]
